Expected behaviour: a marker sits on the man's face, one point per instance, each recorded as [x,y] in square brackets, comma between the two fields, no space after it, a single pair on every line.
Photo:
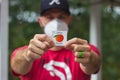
[55,14]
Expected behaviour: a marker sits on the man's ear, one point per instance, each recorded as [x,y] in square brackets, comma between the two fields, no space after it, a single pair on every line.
[70,20]
[40,22]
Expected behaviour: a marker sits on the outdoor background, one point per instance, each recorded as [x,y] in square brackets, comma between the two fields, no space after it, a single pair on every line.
[23,25]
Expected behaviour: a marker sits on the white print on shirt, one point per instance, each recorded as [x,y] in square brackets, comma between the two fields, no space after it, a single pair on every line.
[54,1]
[50,67]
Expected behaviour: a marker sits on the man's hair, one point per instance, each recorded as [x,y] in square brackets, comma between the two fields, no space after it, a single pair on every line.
[50,4]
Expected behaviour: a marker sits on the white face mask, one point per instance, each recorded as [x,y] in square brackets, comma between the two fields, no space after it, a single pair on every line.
[57,30]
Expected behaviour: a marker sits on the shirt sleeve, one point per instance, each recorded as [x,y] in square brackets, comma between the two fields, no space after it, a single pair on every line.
[12,56]
[95,49]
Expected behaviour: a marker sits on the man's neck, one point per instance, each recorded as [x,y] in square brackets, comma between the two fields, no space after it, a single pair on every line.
[56,48]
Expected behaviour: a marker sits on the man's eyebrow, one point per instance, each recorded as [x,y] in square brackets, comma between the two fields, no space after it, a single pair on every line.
[47,13]
[64,12]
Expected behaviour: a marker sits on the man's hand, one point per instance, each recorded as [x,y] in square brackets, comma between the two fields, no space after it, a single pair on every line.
[37,46]
[80,45]
[23,60]
[90,61]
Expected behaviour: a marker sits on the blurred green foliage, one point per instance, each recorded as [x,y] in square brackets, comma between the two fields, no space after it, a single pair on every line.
[23,27]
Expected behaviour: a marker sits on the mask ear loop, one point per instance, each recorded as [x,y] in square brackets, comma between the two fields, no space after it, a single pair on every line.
[42,22]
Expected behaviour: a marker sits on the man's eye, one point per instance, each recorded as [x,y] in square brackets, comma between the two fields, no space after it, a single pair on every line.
[62,17]
[49,17]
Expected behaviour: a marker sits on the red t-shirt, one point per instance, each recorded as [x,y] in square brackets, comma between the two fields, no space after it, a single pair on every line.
[55,65]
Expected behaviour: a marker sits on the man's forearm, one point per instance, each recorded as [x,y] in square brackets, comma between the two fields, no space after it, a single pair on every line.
[20,64]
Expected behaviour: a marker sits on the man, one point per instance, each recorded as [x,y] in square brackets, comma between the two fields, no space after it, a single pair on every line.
[43,60]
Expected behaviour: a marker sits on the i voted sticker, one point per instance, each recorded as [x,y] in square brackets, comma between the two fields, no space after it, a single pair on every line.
[59,37]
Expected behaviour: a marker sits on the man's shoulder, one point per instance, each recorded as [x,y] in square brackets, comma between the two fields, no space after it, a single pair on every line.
[18,49]
[95,49]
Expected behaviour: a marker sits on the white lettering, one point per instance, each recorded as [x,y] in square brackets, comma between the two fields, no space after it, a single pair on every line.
[50,67]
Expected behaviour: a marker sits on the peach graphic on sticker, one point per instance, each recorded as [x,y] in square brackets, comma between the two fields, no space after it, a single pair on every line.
[59,37]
